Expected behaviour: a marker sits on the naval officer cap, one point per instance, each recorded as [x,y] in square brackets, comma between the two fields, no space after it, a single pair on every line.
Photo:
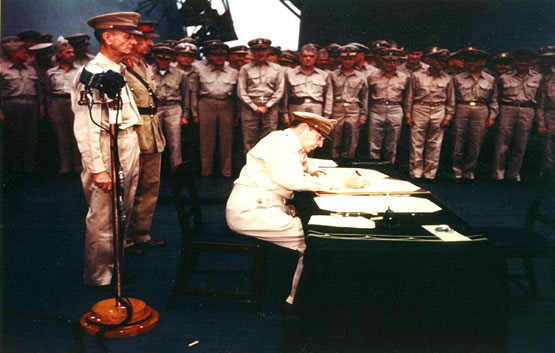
[548,51]
[503,58]
[121,21]
[78,40]
[348,50]
[41,48]
[392,53]
[471,53]
[239,50]
[288,57]
[259,43]
[186,48]
[437,53]
[188,40]
[216,49]
[525,54]
[361,47]
[319,123]
[12,46]
[30,35]
[163,52]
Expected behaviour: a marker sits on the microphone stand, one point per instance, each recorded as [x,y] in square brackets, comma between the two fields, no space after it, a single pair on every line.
[117,317]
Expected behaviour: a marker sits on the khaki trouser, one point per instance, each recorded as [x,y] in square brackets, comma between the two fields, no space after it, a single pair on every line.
[61,117]
[384,129]
[469,129]
[255,127]
[216,126]
[99,250]
[20,133]
[512,132]
[170,119]
[265,216]
[344,136]
[426,136]
[148,187]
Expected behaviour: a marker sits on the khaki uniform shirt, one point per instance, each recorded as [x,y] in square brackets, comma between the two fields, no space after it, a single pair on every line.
[351,89]
[265,82]
[367,69]
[316,86]
[382,88]
[514,89]
[431,89]
[172,86]
[409,70]
[149,133]
[60,80]
[87,133]
[547,96]
[18,80]
[482,90]
[192,79]
[216,83]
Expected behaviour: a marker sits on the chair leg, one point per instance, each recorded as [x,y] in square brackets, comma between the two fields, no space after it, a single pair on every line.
[259,276]
[187,264]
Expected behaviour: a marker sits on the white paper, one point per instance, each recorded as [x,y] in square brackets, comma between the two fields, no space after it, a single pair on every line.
[345,173]
[375,204]
[322,163]
[342,222]
[445,233]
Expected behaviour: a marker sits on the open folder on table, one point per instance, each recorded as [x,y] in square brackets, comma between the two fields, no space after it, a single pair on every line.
[375,204]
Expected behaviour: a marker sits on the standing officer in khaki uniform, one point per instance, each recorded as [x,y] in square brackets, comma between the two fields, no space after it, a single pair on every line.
[151,142]
[503,63]
[413,63]
[429,107]
[80,43]
[518,95]
[350,102]
[172,93]
[237,56]
[546,111]
[116,34]
[216,109]
[307,88]
[475,104]
[260,86]
[20,106]
[387,87]
[61,116]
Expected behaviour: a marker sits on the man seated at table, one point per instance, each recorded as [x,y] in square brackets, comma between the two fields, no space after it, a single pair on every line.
[276,167]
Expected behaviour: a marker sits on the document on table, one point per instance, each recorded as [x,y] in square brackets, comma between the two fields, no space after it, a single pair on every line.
[342,222]
[445,233]
[375,204]
[345,173]
[322,163]
[378,185]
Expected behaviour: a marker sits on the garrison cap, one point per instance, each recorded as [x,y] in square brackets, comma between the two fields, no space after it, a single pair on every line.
[524,54]
[473,53]
[503,58]
[436,52]
[30,34]
[319,123]
[122,21]
[348,50]
[216,49]
[186,48]
[392,54]
[239,50]
[148,28]
[12,45]
[259,43]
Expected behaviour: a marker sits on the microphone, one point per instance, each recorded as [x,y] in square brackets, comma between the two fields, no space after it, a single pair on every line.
[107,82]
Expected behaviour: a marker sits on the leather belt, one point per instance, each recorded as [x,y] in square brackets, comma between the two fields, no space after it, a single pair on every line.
[147,110]
[385,102]
[216,98]
[63,95]
[262,100]
[431,104]
[302,100]
[169,102]
[520,104]
[472,103]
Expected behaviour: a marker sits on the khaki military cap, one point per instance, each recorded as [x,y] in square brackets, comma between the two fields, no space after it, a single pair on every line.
[276,50]
[436,52]
[348,50]
[319,123]
[239,50]
[288,57]
[391,54]
[78,40]
[503,58]
[163,50]
[29,34]
[524,54]
[379,44]
[361,47]
[186,48]
[122,21]
[216,49]
[473,53]
[13,46]
[260,43]
[148,28]
[188,40]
